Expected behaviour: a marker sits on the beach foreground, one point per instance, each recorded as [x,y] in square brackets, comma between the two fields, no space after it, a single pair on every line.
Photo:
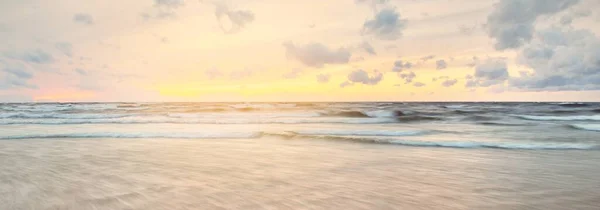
[275,173]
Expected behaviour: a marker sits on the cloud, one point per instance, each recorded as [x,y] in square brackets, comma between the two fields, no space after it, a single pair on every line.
[439,78]
[490,72]
[213,73]
[83,18]
[168,3]
[400,65]
[316,54]
[323,78]
[408,77]
[372,3]
[441,64]
[34,56]
[81,71]
[346,84]
[14,75]
[467,30]
[237,19]
[449,82]
[511,22]
[386,25]
[242,74]
[427,58]
[361,76]
[567,19]
[419,84]
[65,48]
[295,73]
[367,48]
[561,59]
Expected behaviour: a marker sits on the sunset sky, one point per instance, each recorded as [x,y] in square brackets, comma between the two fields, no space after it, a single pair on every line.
[300,50]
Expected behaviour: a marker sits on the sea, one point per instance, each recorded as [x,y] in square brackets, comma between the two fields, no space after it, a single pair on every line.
[368,155]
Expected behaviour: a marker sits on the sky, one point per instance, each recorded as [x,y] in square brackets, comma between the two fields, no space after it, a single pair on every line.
[299,50]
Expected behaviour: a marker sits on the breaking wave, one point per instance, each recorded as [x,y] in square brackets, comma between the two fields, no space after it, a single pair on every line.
[360,133]
[586,127]
[561,118]
[451,144]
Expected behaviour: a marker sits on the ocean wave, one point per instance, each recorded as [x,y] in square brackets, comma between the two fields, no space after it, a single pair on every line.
[572,104]
[360,133]
[587,127]
[479,118]
[19,115]
[561,118]
[417,118]
[458,106]
[503,123]
[169,120]
[449,144]
[224,135]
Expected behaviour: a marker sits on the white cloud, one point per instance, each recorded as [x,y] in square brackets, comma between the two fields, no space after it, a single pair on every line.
[316,54]
[83,18]
[512,22]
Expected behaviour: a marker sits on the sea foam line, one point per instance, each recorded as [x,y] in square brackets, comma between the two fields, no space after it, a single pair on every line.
[561,118]
[587,127]
[449,144]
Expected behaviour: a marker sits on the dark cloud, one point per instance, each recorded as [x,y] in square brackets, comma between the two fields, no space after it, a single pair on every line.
[449,82]
[65,48]
[408,77]
[34,56]
[567,19]
[489,72]
[15,76]
[511,22]
[238,19]
[400,65]
[316,54]
[386,25]
[323,78]
[441,64]
[361,76]
[83,18]
[367,48]
[419,84]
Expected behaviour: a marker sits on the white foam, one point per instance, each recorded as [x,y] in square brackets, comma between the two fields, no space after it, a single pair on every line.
[224,135]
[499,145]
[381,113]
[361,133]
[587,127]
[561,118]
